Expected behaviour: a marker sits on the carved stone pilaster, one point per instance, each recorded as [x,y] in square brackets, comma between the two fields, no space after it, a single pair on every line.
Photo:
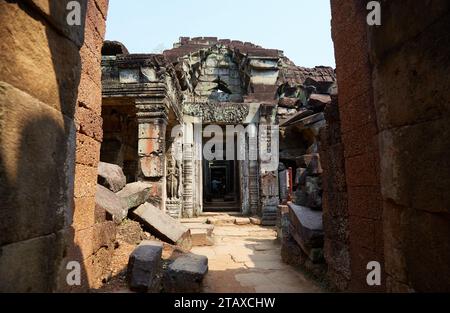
[152,121]
[188,176]
[268,171]
[253,187]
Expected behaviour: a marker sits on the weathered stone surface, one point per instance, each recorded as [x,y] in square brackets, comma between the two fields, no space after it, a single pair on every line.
[135,194]
[317,102]
[286,102]
[111,176]
[185,274]
[200,237]
[242,221]
[144,265]
[84,213]
[307,230]
[36,166]
[57,14]
[26,266]
[88,150]
[255,220]
[163,226]
[27,41]
[221,220]
[199,225]
[107,200]
[85,181]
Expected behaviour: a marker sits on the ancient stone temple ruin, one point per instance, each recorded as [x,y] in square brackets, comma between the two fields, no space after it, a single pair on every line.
[340,172]
[158,111]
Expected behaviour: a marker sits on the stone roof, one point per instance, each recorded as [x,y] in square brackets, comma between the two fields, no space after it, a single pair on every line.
[188,45]
[290,73]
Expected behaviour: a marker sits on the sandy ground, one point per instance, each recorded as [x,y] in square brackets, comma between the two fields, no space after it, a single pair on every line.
[247,259]
[244,258]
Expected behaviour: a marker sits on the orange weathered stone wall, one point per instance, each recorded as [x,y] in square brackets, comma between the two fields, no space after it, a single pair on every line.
[394,108]
[50,100]
[359,137]
[410,53]
[94,236]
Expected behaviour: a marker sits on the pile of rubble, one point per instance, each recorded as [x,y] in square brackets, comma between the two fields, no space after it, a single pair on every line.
[147,270]
[300,217]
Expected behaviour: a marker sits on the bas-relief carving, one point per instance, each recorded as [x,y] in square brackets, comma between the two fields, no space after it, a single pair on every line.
[269,182]
[218,112]
[173,178]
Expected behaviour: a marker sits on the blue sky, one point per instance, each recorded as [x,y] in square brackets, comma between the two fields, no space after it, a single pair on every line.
[301,28]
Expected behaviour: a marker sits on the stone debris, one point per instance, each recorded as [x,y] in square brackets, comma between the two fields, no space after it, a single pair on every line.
[201,234]
[106,200]
[185,274]
[242,221]
[135,194]
[255,220]
[144,266]
[221,220]
[208,227]
[317,102]
[307,230]
[200,238]
[163,226]
[111,176]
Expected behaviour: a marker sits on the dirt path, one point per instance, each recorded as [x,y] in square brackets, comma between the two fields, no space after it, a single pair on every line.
[247,259]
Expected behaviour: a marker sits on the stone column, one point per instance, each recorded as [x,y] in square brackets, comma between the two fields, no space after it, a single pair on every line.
[198,168]
[188,171]
[269,142]
[152,122]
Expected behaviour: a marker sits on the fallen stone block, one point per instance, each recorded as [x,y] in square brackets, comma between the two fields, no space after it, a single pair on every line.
[242,221]
[106,200]
[317,102]
[135,194]
[201,238]
[185,274]
[111,176]
[289,102]
[307,230]
[163,226]
[144,266]
[255,220]
[209,228]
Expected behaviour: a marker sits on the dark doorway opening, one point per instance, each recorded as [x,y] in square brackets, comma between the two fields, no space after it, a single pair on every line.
[221,186]
[221,180]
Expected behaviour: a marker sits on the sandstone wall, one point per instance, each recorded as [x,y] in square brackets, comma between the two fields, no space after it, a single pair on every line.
[394,108]
[359,137]
[411,58]
[50,134]
[335,199]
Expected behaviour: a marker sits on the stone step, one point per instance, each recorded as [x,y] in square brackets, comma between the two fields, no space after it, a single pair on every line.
[199,220]
[208,227]
[201,237]
[242,221]
[221,220]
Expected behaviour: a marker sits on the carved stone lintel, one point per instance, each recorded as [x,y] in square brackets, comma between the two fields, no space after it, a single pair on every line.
[218,112]
[151,110]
